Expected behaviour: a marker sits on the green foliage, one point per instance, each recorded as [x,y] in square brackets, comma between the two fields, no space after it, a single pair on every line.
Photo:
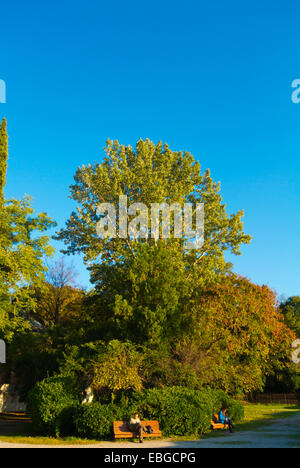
[291,312]
[32,357]
[231,338]
[54,407]
[287,379]
[150,173]
[235,408]
[235,337]
[180,411]
[118,369]
[95,420]
[183,411]
[47,401]
[141,286]
[65,421]
[58,299]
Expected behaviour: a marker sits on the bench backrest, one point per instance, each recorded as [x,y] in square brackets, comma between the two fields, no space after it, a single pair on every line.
[123,426]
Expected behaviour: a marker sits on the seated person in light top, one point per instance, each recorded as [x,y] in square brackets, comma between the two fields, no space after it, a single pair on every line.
[135,425]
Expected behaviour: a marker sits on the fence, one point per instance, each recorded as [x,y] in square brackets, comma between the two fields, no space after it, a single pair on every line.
[283,398]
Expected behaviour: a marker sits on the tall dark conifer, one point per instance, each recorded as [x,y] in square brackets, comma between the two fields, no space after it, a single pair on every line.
[3,159]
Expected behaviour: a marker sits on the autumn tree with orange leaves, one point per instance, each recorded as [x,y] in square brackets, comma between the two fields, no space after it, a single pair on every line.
[236,336]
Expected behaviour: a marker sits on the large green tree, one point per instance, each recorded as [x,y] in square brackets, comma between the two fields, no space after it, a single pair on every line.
[141,285]
[22,249]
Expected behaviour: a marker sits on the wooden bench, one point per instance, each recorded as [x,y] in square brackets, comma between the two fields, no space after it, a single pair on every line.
[122,431]
[217,425]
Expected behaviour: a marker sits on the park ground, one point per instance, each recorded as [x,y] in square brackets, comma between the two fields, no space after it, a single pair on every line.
[265,426]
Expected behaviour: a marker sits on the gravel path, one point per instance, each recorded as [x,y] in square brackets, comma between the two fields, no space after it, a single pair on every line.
[281,433]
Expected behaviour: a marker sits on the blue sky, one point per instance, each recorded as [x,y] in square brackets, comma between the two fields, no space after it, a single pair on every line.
[213,78]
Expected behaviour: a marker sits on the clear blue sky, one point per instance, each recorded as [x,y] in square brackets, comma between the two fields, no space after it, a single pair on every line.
[213,78]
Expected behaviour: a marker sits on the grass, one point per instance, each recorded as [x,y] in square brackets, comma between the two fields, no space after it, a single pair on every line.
[20,430]
[39,440]
[257,415]
[256,412]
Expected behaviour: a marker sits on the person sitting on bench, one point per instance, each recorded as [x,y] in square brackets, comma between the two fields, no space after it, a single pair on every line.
[135,425]
[223,419]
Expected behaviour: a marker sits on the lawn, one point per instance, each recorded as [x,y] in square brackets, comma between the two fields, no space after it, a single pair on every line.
[257,412]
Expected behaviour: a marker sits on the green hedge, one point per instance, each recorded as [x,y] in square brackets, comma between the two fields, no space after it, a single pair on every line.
[49,405]
[180,411]
[55,408]
[183,411]
[95,420]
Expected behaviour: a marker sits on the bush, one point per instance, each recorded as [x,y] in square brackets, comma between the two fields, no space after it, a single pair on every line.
[53,405]
[95,420]
[235,408]
[180,411]
[65,425]
[49,403]
[183,411]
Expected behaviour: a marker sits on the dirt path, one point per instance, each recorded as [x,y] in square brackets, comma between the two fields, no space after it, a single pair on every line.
[281,433]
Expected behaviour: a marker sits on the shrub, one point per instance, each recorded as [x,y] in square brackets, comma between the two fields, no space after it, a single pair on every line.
[118,369]
[235,408]
[65,425]
[180,411]
[95,420]
[48,401]
[183,411]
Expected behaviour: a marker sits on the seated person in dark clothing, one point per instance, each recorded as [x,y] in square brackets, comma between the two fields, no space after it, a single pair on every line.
[223,419]
[136,426]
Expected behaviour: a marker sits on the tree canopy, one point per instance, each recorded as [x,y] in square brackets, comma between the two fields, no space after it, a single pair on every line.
[149,174]
[143,283]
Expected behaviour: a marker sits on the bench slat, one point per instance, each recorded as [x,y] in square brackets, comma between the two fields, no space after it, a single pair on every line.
[130,435]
